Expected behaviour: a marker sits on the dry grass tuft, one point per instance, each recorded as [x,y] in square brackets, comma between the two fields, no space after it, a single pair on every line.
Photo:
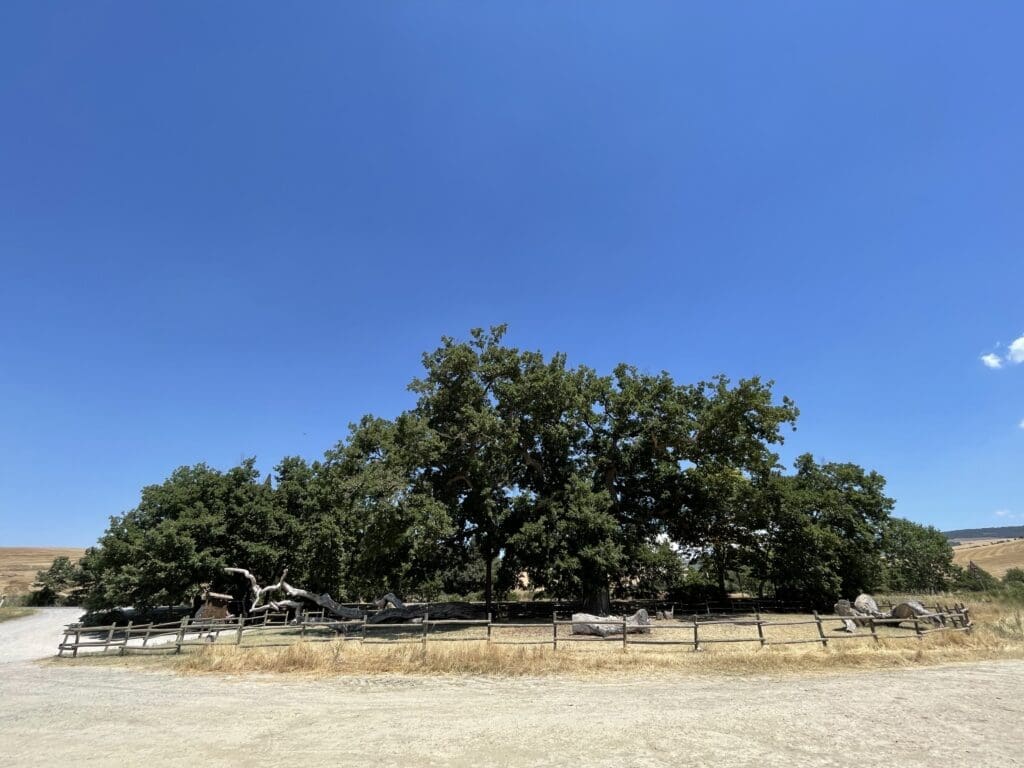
[998,634]
[1004,639]
[14,612]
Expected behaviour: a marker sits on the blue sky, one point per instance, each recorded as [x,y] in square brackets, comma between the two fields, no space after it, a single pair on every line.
[230,229]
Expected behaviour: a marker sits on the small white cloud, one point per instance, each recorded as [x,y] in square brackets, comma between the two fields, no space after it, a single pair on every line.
[992,360]
[1006,514]
[1016,353]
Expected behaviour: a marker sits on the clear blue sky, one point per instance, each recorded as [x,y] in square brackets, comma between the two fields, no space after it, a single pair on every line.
[229,229]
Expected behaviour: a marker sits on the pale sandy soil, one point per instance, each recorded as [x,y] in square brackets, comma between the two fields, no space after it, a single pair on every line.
[33,636]
[53,715]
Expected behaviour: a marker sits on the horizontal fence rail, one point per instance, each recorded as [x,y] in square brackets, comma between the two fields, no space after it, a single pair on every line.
[696,631]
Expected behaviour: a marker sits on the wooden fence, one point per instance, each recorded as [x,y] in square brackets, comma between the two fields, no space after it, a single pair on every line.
[503,610]
[270,630]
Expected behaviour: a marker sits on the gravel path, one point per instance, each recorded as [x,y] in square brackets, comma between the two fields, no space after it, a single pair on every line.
[965,715]
[35,636]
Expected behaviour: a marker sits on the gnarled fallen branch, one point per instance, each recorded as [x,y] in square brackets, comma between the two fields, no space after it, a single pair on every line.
[325,601]
[399,612]
[258,591]
[433,612]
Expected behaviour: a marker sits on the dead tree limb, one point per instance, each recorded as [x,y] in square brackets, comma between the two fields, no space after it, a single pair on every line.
[391,598]
[325,601]
[258,591]
[434,611]
[399,612]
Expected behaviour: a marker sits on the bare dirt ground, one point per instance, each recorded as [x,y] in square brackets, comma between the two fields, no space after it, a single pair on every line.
[57,715]
[31,637]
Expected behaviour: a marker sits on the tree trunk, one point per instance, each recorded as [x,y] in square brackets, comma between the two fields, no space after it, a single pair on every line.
[720,567]
[596,599]
[489,582]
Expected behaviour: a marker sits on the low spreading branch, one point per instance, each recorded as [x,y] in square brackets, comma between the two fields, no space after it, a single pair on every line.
[258,591]
[325,601]
[399,612]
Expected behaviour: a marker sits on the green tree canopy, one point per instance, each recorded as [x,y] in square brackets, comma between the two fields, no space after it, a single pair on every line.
[511,462]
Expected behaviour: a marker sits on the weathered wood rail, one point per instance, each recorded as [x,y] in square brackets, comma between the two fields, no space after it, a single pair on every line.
[268,630]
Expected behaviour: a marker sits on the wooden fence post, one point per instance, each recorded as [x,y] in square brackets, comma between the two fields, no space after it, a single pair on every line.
[917,628]
[426,623]
[149,629]
[871,624]
[488,626]
[760,628]
[110,637]
[181,634]
[554,630]
[127,637]
[60,648]
[696,637]
[241,626]
[78,639]
[821,632]
[624,633]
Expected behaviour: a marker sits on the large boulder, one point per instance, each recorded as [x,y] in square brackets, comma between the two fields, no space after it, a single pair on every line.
[867,606]
[912,609]
[589,624]
[849,613]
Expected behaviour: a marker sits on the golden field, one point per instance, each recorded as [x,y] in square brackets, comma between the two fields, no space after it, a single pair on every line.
[19,565]
[996,557]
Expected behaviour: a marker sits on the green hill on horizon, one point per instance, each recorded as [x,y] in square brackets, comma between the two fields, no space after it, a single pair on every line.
[1002,532]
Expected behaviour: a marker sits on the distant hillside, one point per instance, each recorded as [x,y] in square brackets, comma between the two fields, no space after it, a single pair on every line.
[995,557]
[1005,532]
[18,565]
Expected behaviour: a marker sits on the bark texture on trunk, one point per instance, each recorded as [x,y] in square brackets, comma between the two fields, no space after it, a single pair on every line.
[489,583]
[596,599]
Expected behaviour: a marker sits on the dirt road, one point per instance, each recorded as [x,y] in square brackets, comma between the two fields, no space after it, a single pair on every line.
[34,636]
[952,716]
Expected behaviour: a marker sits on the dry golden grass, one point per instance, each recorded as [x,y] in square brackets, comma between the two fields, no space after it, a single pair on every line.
[996,557]
[998,634]
[338,658]
[19,565]
[14,612]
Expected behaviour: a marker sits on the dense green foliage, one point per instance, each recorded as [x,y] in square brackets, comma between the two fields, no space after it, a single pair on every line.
[60,584]
[511,464]
[919,558]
